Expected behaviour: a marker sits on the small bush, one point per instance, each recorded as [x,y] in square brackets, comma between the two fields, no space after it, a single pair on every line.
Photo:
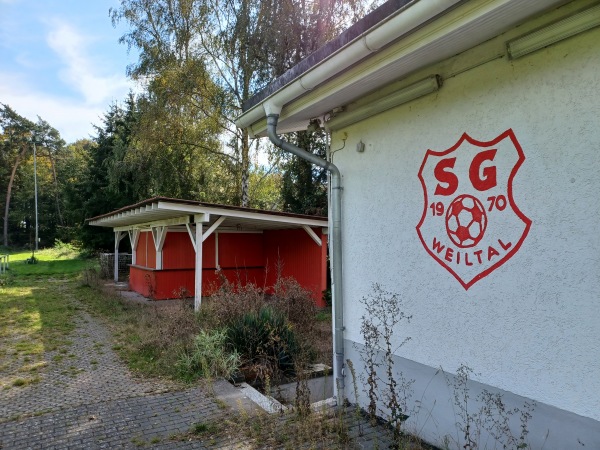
[232,300]
[65,248]
[296,303]
[266,341]
[208,357]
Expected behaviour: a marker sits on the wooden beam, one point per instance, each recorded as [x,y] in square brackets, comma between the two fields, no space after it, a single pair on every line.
[192,236]
[214,226]
[264,216]
[198,268]
[159,234]
[198,219]
[312,234]
[156,223]
[134,237]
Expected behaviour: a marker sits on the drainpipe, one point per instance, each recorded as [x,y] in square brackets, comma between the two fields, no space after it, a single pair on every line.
[336,220]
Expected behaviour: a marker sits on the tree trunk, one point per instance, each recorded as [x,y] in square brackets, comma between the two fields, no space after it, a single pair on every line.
[9,191]
[56,190]
[245,167]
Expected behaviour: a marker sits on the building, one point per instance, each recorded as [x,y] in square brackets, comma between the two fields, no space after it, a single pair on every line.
[243,245]
[466,136]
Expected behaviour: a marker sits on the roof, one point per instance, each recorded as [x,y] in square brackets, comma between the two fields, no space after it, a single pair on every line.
[173,212]
[377,16]
[387,46]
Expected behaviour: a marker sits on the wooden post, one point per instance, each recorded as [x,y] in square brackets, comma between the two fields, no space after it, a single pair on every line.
[118,236]
[198,272]
[159,234]
[134,237]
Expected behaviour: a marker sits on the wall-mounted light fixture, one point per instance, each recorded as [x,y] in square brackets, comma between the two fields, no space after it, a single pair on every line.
[550,34]
[401,96]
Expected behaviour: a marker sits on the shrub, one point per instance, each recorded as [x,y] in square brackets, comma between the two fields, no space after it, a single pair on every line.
[296,303]
[232,300]
[208,357]
[266,342]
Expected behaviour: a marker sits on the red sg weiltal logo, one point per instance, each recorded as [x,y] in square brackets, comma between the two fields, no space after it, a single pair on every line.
[471,224]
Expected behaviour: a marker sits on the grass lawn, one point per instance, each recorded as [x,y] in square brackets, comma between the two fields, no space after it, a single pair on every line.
[36,312]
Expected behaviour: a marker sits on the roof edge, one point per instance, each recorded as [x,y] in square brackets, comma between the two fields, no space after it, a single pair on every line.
[207,205]
[371,20]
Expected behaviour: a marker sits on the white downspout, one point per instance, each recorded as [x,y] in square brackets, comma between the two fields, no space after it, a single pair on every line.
[336,263]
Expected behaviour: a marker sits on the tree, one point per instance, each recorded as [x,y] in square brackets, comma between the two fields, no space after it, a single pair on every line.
[182,97]
[18,136]
[74,164]
[16,141]
[227,50]
[109,183]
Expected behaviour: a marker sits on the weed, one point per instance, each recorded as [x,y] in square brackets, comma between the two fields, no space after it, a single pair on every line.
[357,412]
[204,428]
[492,416]
[382,315]
[208,357]
[138,442]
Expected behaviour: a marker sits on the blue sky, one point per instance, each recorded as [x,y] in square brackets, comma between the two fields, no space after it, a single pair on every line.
[61,60]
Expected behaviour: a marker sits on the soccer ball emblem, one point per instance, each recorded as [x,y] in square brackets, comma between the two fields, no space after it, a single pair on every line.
[466,221]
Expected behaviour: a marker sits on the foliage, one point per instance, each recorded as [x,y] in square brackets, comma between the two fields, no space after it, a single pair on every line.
[265,340]
[201,60]
[208,357]
[492,416]
[108,183]
[18,138]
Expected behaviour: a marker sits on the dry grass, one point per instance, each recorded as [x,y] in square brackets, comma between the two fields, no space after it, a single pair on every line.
[329,428]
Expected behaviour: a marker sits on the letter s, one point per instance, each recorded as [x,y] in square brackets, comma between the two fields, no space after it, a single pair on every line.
[444,175]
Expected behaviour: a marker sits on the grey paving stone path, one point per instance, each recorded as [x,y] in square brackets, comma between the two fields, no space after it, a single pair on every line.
[87,398]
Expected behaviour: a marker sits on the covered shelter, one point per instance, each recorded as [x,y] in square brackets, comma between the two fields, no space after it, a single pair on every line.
[185,246]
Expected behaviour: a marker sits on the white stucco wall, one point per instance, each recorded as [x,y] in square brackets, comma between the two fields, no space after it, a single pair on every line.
[531,327]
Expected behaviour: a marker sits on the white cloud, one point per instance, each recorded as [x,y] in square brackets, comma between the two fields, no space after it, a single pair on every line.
[81,72]
[72,119]
[91,86]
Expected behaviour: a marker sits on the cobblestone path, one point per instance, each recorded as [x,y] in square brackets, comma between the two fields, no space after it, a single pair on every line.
[87,398]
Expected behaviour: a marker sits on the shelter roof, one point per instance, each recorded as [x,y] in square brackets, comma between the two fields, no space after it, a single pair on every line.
[173,212]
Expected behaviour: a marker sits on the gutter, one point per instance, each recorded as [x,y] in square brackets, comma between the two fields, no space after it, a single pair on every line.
[405,21]
[336,242]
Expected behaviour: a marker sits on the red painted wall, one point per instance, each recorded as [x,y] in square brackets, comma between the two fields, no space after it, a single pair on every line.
[178,251]
[243,258]
[237,250]
[300,257]
[146,252]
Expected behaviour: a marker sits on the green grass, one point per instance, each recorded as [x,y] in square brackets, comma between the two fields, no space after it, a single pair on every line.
[36,312]
[51,261]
